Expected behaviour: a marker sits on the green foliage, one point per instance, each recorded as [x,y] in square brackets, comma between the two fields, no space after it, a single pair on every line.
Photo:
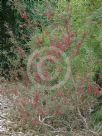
[97,116]
[23,19]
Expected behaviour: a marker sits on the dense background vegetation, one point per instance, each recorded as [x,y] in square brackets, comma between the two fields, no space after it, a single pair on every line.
[27,25]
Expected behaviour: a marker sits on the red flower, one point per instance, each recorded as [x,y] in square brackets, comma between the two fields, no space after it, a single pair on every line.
[81,90]
[37,97]
[58,112]
[62,47]
[68,40]
[24,16]
[23,25]
[52,51]
[39,40]
[84,34]
[2,91]
[97,91]
[35,122]
[37,78]
[46,33]
[79,45]
[90,88]
[60,94]
[36,101]
[49,15]
[41,112]
[46,75]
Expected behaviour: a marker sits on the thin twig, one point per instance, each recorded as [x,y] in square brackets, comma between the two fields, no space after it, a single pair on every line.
[2,117]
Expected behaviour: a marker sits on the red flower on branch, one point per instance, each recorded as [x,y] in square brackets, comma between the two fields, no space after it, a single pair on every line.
[39,40]
[41,112]
[52,51]
[46,75]
[23,25]
[37,97]
[36,101]
[96,90]
[68,40]
[90,88]
[37,78]
[62,47]
[2,91]
[49,15]
[58,112]
[24,16]
[35,122]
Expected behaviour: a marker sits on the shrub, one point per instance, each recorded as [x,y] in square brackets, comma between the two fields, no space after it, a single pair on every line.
[59,54]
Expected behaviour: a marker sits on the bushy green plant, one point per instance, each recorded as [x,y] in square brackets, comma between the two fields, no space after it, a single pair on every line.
[67,107]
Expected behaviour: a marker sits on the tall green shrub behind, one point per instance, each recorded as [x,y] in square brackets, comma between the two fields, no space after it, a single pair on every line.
[20,19]
[87,16]
[7,24]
